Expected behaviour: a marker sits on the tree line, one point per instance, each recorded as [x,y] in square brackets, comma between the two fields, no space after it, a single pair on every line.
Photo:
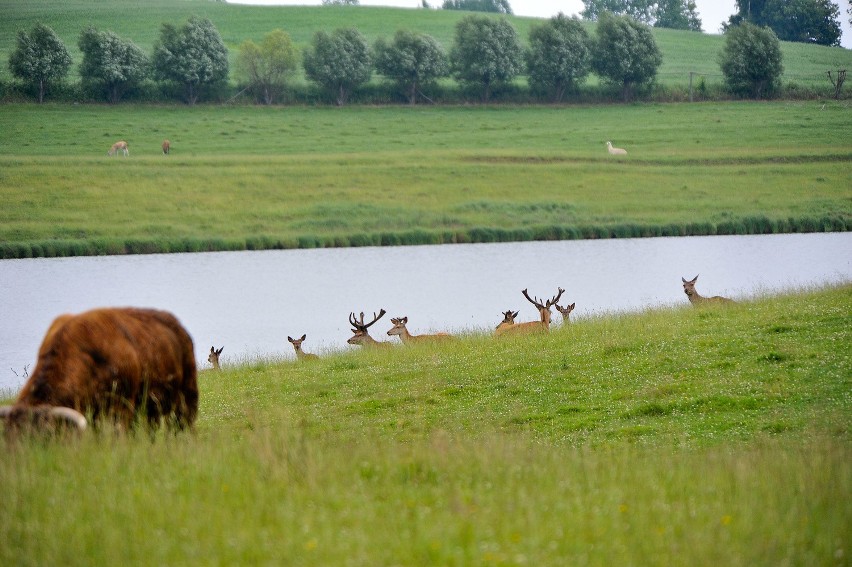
[486,54]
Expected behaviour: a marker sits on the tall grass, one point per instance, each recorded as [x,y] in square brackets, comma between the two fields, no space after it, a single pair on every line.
[672,437]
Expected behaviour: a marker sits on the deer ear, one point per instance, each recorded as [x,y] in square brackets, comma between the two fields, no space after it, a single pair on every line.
[289,338]
[212,350]
[304,337]
[573,304]
[404,320]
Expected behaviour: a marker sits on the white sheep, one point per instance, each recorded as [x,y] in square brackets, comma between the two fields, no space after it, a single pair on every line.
[615,151]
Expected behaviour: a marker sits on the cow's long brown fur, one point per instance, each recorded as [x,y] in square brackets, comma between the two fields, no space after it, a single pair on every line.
[115,363]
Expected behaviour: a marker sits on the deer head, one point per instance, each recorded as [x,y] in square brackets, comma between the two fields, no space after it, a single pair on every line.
[544,308]
[213,357]
[360,336]
[508,319]
[566,311]
[297,345]
[689,288]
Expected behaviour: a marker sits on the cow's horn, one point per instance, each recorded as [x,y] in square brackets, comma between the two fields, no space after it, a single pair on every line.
[70,415]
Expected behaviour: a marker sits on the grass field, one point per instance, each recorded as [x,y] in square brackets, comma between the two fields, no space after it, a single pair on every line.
[670,437]
[251,177]
[682,51]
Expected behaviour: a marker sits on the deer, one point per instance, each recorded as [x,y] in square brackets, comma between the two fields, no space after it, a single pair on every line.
[615,151]
[399,329]
[297,345]
[542,325]
[213,357]
[697,299]
[120,146]
[360,336]
[508,320]
[566,311]
[166,147]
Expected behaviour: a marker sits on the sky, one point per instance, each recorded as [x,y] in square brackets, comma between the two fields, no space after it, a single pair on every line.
[711,12]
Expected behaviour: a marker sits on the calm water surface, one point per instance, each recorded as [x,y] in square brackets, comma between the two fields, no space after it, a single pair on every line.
[249,302]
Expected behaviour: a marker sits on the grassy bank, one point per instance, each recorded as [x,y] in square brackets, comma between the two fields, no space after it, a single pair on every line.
[671,437]
[308,177]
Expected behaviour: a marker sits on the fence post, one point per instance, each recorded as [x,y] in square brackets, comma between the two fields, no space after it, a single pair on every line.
[690,85]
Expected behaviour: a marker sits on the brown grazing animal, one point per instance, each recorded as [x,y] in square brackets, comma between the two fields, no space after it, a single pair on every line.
[696,299]
[542,325]
[119,147]
[360,335]
[112,364]
[508,320]
[401,330]
[566,311]
[213,357]
[166,147]
[297,345]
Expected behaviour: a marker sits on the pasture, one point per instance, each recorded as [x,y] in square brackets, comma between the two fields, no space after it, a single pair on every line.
[680,436]
[285,177]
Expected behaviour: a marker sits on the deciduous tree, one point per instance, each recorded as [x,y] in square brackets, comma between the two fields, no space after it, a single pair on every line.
[751,60]
[805,21]
[193,56]
[412,59]
[559,56]
[494,6]
[486,52]
[339,62]
[267,66]
[110,63]
[624,52]
[39,59]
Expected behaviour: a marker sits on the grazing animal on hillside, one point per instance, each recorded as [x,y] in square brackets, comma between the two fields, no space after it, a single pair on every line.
[615,151]
[566,311]
[401,331]
[213,357]
[166,147]
[113,364]
[360,336]
[297,345]
[119,147]
[508,320]
[543,324]
[696,299]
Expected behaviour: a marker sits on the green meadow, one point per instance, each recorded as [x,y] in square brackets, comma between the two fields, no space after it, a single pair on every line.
[678,436]
[286,177]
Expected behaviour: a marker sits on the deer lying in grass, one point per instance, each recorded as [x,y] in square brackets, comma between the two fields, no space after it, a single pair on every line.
[566,311]
[213,357]
[697,299]
[360,336]
[615,151]
[297,345]
[508,321]
[166,147]
[119,147]
[542,325]
[401,331]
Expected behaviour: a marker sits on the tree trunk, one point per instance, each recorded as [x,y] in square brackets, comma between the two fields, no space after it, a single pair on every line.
[41,91]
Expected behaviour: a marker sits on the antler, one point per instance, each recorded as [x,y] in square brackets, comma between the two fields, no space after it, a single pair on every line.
[537,302]
[360,325]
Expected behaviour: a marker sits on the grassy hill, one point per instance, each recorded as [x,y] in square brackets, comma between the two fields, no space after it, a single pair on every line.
[672,437]
[140,21]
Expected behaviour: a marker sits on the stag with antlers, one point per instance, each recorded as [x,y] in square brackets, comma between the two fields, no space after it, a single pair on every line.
[360,336]
[543,324]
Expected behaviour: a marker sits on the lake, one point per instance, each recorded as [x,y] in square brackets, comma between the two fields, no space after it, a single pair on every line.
[249,302]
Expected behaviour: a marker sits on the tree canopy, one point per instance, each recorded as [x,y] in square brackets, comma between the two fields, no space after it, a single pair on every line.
[804,21]
[494,6]
[751,60]
[265,67]
[40,58]
[486,52]
[338,61]
[624,52]
[111,63]
[193,56]
[412,59]
[559,56]
[674,14]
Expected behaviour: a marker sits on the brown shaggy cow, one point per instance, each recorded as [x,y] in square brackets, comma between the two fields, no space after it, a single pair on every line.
[111,363]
